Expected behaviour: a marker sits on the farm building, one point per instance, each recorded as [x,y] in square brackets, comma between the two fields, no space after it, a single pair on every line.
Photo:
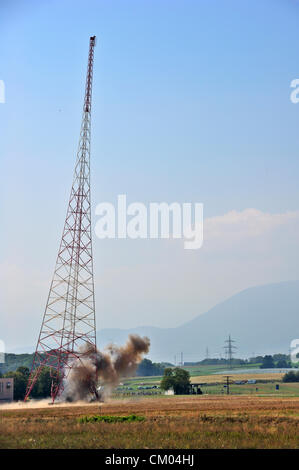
[6,390]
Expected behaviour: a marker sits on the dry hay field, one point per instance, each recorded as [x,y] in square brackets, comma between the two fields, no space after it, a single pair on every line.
[170,422]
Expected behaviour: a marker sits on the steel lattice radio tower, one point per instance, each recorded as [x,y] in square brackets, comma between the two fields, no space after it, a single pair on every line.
[69,319]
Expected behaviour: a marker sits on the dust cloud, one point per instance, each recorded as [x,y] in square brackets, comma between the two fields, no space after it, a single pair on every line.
[103,367]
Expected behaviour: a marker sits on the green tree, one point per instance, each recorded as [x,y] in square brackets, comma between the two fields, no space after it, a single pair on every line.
[147,368]
[178,379]
[291,376]
[167,381]
[280,357]
[24,370]
[182,381]
[41,389]
[267,363]
[282,364]
[43,385]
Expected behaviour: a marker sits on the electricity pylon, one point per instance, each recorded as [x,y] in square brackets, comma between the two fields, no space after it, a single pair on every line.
[229,349]
[69,319]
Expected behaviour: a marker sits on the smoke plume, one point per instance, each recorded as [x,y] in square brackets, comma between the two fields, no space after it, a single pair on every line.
[103,368]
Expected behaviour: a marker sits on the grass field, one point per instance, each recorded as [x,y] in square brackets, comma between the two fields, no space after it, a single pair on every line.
[212,369]
[258,389]
[194,371]
[170,422]
[207,374]
[219,378]
[214,384]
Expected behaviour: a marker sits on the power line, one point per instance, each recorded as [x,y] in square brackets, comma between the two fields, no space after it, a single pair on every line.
[227,383]
[229,350]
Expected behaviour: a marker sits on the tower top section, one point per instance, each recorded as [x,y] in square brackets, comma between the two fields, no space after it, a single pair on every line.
[88,86]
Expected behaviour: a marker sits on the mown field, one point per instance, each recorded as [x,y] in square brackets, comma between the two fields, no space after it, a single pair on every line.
[170,422]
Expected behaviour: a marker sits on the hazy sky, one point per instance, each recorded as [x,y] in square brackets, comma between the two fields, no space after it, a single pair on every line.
[191,103]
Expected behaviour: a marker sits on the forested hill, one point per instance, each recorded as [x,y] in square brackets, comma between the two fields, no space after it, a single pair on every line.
[14,361]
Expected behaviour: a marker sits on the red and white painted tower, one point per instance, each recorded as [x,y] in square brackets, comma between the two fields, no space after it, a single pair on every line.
[69,320]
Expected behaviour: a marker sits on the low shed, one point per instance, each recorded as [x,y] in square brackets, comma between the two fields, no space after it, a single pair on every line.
[6,390]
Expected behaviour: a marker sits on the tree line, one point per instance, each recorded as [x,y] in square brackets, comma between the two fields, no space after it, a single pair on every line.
[265,362]
[43,384]
[21,376]
[280,361]
[291,377]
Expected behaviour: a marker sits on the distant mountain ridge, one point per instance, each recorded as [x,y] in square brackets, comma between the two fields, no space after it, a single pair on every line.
[262,320]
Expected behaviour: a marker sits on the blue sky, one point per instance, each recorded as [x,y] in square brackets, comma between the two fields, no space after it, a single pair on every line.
[191,102]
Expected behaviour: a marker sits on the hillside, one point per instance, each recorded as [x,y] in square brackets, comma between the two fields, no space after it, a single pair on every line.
[262,320]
